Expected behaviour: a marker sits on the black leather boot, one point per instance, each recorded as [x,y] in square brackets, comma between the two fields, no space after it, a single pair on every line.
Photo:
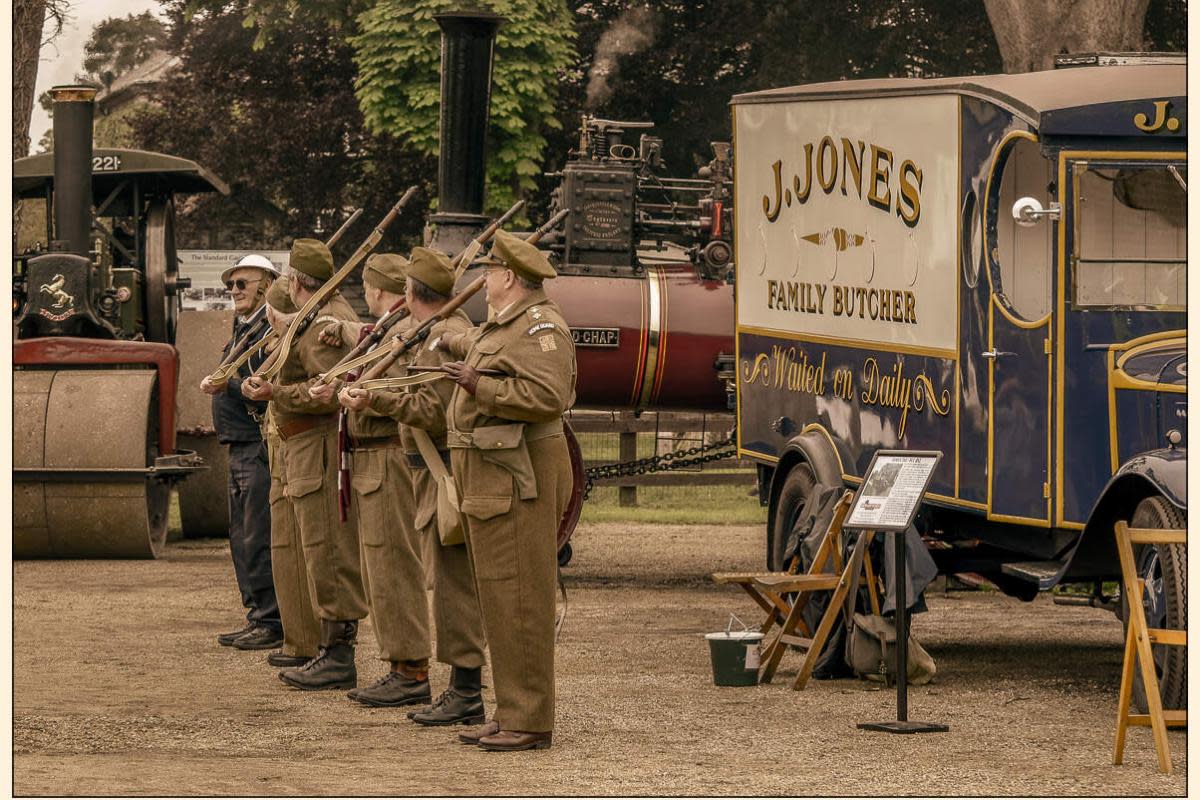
[333,668]
[282,659]
[394,689]
[461,704]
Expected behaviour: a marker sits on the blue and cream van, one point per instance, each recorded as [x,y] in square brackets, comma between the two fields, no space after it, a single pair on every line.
[993,267]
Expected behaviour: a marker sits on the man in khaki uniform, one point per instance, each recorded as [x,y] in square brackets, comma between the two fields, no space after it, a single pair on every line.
[460,640]
[301,625]
[393,571]
[308,430]
[511,463]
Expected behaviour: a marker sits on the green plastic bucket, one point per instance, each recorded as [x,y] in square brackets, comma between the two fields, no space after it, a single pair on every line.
[735,657]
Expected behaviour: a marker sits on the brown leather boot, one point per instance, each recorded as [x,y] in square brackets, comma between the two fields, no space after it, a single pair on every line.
[508,741]
[475,734]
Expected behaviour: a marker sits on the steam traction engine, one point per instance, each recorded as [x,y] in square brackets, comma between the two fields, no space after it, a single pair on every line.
[95,367]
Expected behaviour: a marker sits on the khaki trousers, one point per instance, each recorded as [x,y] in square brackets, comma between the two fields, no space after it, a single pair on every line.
[297,612]
[330,547]
[456,615]
[393,571]
[513,552]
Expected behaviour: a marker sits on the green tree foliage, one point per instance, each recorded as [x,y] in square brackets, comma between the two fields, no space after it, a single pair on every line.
[281,125]
[398,56]
[119,44]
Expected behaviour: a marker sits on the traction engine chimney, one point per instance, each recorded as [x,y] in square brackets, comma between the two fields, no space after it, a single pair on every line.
[467,44]
[73,112]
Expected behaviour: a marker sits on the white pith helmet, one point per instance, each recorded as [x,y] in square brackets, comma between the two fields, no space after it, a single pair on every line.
[255,261]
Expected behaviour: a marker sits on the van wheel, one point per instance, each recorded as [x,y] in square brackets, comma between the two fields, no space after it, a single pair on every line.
[796,488]
[1164,569]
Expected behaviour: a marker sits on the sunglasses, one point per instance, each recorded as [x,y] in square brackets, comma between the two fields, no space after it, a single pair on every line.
[241,283]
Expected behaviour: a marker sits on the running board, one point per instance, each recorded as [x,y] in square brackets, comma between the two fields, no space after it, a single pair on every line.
[1043,573]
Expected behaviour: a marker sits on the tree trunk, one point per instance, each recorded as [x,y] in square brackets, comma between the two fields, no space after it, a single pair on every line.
[28,18]
[1031,33]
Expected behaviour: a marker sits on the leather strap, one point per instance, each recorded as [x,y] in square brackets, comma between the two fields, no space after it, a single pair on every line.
[304,424]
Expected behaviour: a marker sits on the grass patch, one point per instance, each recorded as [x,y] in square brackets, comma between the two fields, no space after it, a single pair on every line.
[679,505]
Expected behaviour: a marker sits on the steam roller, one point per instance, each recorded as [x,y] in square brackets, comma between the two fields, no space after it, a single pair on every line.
[96,371]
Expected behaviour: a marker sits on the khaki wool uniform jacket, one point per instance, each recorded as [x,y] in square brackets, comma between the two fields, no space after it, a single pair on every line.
[456,617]
[297,613]
[393,569]
[514,476]
[310,465]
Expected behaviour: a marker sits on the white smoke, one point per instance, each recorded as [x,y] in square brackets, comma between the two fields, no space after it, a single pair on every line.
[630,33]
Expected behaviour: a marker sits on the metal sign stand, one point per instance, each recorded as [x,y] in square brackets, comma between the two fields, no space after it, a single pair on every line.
[902,724]
[896,521]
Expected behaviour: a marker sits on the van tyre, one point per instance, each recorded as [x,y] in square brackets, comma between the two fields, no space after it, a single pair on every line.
[1164,568]
[795,491]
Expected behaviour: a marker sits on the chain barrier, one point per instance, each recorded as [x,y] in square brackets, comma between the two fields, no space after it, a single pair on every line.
[676,459]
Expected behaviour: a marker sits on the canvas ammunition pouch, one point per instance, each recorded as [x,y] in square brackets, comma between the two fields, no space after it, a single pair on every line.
[871,643]
[449,517]
[507,447]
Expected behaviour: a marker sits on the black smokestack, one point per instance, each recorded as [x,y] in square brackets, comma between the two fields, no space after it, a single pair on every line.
[467,43]
[73,110]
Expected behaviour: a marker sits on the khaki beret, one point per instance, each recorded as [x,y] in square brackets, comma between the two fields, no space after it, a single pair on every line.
[432,268]
[279,299]
[521,257]
[386,271]
[312,258]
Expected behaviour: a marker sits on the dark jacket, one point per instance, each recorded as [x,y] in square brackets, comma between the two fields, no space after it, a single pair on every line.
[230,410]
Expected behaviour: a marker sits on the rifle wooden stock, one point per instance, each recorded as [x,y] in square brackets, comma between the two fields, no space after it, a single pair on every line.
[227,368]
[270,368]
[401,346]
[391,316]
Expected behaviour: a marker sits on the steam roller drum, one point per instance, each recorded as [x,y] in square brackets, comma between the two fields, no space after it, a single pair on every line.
[204,496]
[82,440]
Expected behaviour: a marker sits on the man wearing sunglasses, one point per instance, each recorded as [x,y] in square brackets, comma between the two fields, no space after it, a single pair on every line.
[249,475]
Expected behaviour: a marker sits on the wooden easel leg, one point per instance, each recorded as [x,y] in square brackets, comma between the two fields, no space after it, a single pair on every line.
[1126,694]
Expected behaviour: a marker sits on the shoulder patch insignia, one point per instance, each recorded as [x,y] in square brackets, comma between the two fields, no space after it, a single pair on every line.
[547,342]
[535,312]
[541,326]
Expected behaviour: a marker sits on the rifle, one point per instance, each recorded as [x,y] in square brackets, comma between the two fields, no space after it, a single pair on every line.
[238,354]
[390,355]
[356,357]
[270,368]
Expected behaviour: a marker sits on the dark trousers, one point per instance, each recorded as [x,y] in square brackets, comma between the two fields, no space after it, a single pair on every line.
[250,530]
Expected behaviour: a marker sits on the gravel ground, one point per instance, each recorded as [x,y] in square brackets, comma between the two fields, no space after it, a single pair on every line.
[119,688]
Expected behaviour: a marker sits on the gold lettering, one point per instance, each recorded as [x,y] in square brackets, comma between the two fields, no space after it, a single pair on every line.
[910,308]
[827,181]
[776,168]
[852,164]
[910,196]
[802,196]
[880,155]
[793,303]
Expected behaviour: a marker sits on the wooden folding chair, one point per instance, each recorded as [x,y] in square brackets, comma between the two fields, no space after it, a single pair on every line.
[816,580]
[773,602]
[1138,639]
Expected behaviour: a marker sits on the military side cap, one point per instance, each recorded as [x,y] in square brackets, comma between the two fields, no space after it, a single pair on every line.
[521,257]
[432,268]
[386,271]
[279,299]
[312,258]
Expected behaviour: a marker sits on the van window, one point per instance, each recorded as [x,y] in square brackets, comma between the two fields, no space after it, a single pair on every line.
[1025,254]
[1130,236]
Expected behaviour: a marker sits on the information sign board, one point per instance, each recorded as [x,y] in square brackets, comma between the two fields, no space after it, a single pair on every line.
[892,490]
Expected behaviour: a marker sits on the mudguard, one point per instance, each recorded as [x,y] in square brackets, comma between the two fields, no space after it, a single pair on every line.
[815,446]
[1158,472]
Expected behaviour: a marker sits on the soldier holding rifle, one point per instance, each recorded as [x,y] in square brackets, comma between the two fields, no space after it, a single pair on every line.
[393,573]
[301,625]
[510,460]
[421,411]
[309,456]
[249,476]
